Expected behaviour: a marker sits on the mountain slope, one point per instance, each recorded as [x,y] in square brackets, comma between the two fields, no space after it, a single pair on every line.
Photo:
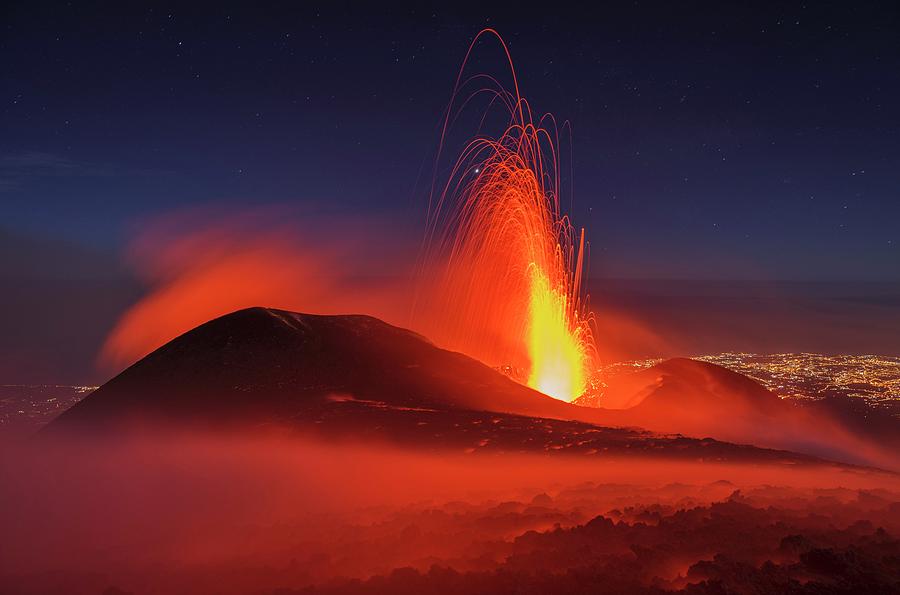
[259,363]
[358,378]
[701,399]
[709,384]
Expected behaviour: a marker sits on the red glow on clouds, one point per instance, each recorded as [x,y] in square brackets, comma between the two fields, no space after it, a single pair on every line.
[201,265]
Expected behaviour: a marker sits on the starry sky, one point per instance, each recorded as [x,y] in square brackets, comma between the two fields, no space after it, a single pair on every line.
[708,141]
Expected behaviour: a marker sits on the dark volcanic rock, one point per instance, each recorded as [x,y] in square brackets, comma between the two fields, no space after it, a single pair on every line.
[361,378]
[265,364]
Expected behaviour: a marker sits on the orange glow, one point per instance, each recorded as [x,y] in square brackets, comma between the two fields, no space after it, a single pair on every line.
[500,279]
[509,290]
[555,345]
[204,264]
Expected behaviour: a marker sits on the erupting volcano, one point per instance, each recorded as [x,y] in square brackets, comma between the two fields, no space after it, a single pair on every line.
[509,261]
[244,351]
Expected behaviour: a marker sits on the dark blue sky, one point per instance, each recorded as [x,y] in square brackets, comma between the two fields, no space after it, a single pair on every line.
[709,141]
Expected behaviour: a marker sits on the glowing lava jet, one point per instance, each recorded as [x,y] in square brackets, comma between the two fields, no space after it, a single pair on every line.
[509,263]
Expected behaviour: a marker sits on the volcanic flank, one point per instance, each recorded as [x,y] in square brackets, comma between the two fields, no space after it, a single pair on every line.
[262,363]
[357,377]
[701,399]
[692,397]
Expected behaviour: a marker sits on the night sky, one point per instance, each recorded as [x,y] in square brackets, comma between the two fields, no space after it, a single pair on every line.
[709,141]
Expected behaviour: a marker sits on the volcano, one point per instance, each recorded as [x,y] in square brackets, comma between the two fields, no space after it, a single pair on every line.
[689,396]
[355,377]
[702,399]
[258,363]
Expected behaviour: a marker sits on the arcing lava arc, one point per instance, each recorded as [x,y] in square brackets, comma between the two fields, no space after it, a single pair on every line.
[508,286]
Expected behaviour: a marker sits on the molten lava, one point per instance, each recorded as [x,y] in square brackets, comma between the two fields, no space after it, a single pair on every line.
[509,264]
[555,344]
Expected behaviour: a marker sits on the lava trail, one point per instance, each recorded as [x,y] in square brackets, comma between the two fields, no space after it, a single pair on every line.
[508,262]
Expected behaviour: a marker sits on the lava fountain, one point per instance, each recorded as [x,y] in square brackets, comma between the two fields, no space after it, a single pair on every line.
[509,263]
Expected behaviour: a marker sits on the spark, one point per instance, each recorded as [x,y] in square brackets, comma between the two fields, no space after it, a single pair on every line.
[510,261]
